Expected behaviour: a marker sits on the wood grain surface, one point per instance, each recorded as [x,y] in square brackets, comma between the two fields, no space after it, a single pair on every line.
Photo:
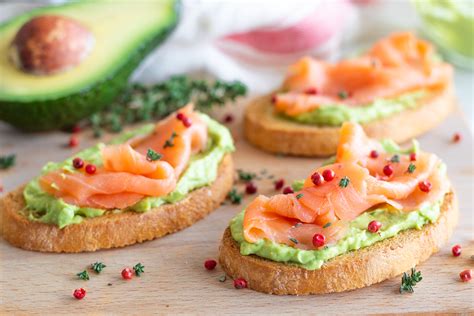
[175,280]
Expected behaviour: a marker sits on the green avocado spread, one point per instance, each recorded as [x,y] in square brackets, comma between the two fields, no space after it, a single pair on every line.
[336,114]
[201,171]
[357,236]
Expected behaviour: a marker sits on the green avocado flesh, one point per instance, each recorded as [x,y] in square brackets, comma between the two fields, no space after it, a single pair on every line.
[357,236]
[201,171]
[125,32]
[336,114]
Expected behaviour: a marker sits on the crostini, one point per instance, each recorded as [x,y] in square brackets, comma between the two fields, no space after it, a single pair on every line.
[398,89]
[371,214]
[149,182]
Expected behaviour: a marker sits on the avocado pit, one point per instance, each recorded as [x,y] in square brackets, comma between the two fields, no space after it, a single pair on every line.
[50,44]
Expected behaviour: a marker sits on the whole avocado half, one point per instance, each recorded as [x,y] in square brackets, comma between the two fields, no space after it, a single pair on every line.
[125,32]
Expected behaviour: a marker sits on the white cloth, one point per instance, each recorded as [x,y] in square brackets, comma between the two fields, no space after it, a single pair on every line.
[249,40]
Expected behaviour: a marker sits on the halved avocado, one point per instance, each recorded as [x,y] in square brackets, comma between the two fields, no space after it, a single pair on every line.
[124,32]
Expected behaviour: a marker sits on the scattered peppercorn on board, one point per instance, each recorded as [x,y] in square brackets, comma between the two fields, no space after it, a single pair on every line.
[174,278]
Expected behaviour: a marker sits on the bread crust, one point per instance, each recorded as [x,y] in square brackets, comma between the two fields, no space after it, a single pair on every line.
[353,270]
[112,230]
[271,133]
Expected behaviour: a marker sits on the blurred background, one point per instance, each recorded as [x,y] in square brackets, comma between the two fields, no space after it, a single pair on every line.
[255,40]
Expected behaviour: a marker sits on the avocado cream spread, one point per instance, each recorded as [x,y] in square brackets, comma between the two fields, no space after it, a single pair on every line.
[357,236]
[336,114]
[201,171]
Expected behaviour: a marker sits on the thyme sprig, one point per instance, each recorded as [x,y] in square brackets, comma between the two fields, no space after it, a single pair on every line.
[151,102]
[84,275]
[395,159]
[409,281]
[170,141]
[411,168]
[344,182]
[139,269]
[246,176]
[342,95]
[97,267]
[234,196]
[294,240]
[7,161]
[152,155]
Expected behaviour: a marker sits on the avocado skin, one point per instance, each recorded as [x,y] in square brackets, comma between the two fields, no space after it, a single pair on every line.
[62,112]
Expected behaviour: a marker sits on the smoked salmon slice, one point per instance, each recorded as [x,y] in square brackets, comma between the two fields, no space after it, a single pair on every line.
[395,65]
[359,185]
[127,175]
[355,146]
[185,140]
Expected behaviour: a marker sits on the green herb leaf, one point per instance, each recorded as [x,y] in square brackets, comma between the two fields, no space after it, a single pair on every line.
[142,103]
[299,196]
[294,240]
[139,269]
[7,161]
[246,176]
[170,141]
[152,155]
[115,123]
[83,275]
[409,281]
[395,158]
[222,278]
[327,225]
[344,182]
[98,132]
[234,196]
[98,267]
[342,95]
[411,168]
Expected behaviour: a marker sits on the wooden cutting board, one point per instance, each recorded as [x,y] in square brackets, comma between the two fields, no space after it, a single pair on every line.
[175,280]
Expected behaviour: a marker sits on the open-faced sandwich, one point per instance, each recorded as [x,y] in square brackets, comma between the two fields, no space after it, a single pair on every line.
[398,89]
[374,212]
[147,183]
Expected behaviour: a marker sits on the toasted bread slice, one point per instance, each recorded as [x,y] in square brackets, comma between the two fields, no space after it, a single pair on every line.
[353,270]
[277,135]
[112,230]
